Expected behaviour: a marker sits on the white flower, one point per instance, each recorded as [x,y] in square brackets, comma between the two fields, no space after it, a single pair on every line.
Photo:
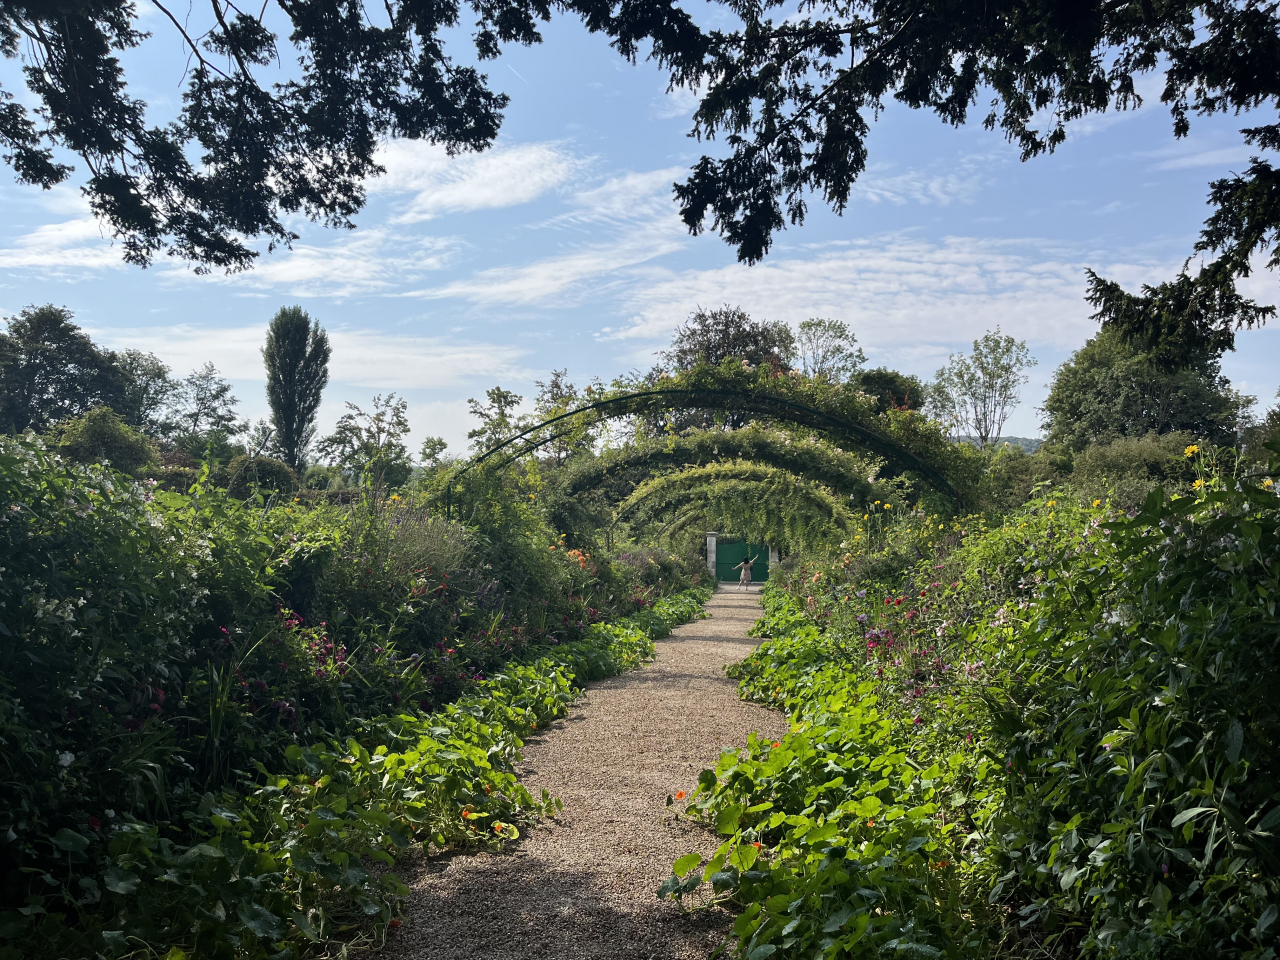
[109,812]
[64,759]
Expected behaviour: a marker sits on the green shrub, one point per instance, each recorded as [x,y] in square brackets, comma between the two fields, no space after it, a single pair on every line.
[248,475]
[1052,737]
[193,760]
[99,436]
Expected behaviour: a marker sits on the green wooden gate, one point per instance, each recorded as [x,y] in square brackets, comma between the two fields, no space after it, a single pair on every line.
[732,552]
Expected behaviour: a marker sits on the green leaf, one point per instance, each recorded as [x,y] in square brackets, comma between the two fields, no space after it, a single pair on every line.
[762,951]
[259,919]
[1235,741]
[687,863]
[727,819]
[1270,820]
[837,920]
[1268,917]
[302,923]
[121,881]
[70,841]
[1186,815]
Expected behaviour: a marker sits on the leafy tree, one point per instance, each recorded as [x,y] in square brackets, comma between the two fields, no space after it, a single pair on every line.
[50,370]
[1108,390]
[100,435]
[828,350]
[975,395]
[297,360]
[1267,430]
[205,405]
[371,445]
[712,336]
[432,451]
[891,389]
[557,396]
[149,391]
[495,416]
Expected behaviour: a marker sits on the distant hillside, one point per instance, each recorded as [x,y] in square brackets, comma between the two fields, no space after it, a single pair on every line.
[1027,444]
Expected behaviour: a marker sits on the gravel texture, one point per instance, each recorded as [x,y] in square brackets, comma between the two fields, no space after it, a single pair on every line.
[583,885]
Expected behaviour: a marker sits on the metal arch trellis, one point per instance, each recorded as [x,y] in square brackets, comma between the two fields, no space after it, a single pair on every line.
[869,438]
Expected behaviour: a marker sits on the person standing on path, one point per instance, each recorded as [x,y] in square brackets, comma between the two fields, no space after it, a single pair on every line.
[744,581]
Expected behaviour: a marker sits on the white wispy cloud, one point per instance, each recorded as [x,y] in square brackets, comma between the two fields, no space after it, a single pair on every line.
[958,184]
[366,261]
[375,359]
[1220,157]
[636,207]
[903,296]
[561,279]
[503,176]
[62,249]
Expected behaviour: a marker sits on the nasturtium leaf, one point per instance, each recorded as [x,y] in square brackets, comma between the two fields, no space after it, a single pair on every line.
[837,920]
[302,923]
[70,841]
[727,819]
[259,919]
[121,881]
[687,863]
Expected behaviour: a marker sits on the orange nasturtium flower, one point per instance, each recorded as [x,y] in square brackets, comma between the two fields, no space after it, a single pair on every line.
[756,844]
[777,743]
[680,794]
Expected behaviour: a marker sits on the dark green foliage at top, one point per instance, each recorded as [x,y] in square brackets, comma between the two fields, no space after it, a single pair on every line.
[297,360]
[50,370]
[1176,325]
[244,152]
[792,96]
[1108,389]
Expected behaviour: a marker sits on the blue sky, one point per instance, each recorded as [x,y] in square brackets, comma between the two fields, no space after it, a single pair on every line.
[561,247]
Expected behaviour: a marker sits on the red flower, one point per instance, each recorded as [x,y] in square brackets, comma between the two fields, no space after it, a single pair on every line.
[95,824]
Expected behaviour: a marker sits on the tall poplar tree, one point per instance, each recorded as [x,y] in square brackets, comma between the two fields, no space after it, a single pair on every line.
[297,360]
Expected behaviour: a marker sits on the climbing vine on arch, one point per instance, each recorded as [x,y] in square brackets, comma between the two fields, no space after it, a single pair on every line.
[759,502]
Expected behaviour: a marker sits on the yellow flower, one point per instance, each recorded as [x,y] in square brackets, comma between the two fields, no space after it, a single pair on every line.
[1268,483]
[1051,503]
[887,506]
[1191,451]
[1198,484]
[865,516]
[1097,503]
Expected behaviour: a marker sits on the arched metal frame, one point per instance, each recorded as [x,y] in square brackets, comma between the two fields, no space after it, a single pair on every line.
[760,402]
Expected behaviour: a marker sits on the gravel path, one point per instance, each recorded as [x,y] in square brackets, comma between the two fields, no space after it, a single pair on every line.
[583,886]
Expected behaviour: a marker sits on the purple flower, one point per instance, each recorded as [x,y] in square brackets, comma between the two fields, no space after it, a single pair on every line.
[862,618]
[861,594]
